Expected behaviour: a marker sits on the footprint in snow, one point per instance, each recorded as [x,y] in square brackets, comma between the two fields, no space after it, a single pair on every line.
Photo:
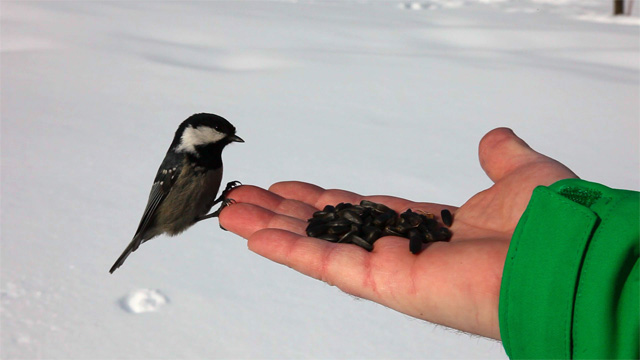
[413,5]
[143,300]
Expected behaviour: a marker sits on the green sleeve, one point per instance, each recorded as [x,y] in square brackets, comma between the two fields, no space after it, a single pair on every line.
[570,282]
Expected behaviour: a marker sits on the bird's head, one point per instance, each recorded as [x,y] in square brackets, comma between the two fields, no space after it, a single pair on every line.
[202,131]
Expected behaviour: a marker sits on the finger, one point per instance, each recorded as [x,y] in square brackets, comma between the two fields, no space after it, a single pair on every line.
[305,192]
[319,197]
[245,219]
[347,266]
[313,194]
[271,201]
[501,152]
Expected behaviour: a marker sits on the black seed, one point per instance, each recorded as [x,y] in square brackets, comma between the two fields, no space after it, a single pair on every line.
[414,219]
[371,233]
[407,214]
[313,222]
[328,237]
[353,229]
[330,216]
[345,238]
[323,215]
[401,227]
[389,231]
[351,216]
[368,204]
[393,217]
[316,229]
[380,208]
[385,219]
[359,209]
[428,237]
[381,220]
[338,229]
[415,241]
[447,217]
[432,225]
[329,208]
[343,206]
[425,216]
[383,208]
[338,222]
[319,214]
[355,239]
[443,234]
[367,219]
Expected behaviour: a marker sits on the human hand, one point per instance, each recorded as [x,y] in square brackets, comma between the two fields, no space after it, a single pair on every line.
[455,283]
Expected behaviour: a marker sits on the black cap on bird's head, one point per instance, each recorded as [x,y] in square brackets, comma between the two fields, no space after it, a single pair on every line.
[203,130]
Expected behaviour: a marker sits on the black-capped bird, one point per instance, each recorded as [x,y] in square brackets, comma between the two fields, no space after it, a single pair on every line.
[187,182]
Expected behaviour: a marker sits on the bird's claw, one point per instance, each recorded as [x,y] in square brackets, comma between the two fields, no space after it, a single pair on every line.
[227,202]
[231,185]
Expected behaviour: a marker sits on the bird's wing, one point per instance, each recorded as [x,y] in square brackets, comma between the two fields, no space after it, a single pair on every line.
[165,178]
[155,198]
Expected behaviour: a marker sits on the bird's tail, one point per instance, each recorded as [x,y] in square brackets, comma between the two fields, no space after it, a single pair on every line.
[133,246]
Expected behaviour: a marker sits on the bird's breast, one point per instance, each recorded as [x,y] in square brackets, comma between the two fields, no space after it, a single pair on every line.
[190,197]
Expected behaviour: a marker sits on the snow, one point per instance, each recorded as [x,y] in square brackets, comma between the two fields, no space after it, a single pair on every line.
[373,96]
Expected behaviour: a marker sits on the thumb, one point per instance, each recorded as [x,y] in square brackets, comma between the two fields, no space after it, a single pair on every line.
[501,152]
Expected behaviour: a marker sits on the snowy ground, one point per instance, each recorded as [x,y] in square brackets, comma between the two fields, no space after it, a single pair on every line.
[342,93]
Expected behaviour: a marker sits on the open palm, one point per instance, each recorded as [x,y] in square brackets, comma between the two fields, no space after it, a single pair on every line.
[456,283]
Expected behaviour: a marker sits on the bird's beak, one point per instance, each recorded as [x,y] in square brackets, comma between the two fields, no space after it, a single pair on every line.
[235,138]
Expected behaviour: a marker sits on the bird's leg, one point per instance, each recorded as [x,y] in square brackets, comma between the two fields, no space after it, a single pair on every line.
[225,201]
[223,195]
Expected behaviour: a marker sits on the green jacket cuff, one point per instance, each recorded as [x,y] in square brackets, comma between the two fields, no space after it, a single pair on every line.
[570,282]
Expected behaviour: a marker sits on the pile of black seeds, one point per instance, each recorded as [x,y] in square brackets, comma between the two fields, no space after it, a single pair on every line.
[363,224]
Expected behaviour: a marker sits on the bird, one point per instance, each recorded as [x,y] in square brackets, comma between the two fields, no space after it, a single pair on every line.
[185,187]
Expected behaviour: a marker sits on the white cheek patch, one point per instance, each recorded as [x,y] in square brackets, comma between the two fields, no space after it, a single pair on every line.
[192,137]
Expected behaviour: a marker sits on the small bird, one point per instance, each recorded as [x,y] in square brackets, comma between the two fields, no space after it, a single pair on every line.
[187,182]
